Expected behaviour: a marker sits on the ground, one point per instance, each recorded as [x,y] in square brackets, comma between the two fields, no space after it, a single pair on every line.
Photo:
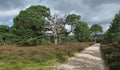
[88,59]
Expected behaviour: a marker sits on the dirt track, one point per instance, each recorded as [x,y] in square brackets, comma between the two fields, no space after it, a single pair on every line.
[88,59]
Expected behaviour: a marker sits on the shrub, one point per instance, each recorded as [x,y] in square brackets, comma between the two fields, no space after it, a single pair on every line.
[111,54]
[44,41]
[115,66]
[28,42]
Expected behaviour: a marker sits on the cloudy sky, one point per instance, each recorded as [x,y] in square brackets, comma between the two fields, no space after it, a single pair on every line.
[91,11]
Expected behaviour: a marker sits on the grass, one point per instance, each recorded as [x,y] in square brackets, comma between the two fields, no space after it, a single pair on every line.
[42,57]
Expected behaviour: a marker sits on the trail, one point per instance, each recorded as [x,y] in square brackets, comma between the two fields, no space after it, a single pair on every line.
[88,59]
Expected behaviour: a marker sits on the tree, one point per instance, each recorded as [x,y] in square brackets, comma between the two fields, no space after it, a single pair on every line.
[72,20]
[32,18]
[5,34]
[82,32]
[29,24]
[36,21]
[113,33]
[95,29]
[57,26]
[3,31]
[4,28]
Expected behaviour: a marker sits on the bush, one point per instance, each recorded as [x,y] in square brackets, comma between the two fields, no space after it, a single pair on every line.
[28,42]
[115,66]
[99,39]
[69,38]
[44,41]
[111,54]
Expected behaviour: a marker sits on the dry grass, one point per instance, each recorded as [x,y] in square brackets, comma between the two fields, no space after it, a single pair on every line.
[33,57]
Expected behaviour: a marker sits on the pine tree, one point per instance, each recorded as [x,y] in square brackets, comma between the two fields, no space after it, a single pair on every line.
[113,33]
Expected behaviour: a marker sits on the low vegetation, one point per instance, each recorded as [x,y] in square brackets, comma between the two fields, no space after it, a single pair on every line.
[111,55]
[40,57]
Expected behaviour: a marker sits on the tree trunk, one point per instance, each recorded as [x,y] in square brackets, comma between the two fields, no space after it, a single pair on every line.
[95,36]
[59,39]
[55,40]
[3,42]
[95,39]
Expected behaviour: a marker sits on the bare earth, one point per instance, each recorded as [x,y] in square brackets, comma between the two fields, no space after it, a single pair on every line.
[88,59]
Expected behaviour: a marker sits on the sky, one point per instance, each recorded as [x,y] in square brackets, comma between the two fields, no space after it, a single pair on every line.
[91,11]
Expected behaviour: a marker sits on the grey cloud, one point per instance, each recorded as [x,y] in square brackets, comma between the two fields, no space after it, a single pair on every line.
[94,3]
[66,5]
[91,11]
[13,4]
[10,8]
[8,4]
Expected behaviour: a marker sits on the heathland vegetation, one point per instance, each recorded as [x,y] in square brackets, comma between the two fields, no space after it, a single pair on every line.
[111,45]
[41,57]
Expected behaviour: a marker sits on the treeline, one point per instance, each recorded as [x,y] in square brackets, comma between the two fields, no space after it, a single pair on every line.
[111,45]
[36,25]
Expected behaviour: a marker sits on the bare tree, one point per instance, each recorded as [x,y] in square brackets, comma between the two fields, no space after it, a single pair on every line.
[57,26]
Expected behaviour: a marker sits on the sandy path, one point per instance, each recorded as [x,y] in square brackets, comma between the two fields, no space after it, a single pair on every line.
[88,59]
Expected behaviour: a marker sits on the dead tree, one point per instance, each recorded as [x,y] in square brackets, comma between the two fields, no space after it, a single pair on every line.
[57,25]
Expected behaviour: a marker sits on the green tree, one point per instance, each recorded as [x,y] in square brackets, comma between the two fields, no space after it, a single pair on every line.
[82,32]
[4,28]
[32,18]
[29,24]
[72,20]
[3,31]
[5,35]
[95,29]
[113,33]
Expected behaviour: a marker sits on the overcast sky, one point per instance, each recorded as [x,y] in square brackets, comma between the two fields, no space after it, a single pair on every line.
[91,11]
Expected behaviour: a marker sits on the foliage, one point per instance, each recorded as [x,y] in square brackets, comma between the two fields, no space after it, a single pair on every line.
[69,38]
[82,32]
[32,23]
[113,33]
[32,27]
[29,25]
[111,55]
[32,18]
[111,46]
[5,36]
[4,28]
[95,29]
[72,19]
[100,39]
